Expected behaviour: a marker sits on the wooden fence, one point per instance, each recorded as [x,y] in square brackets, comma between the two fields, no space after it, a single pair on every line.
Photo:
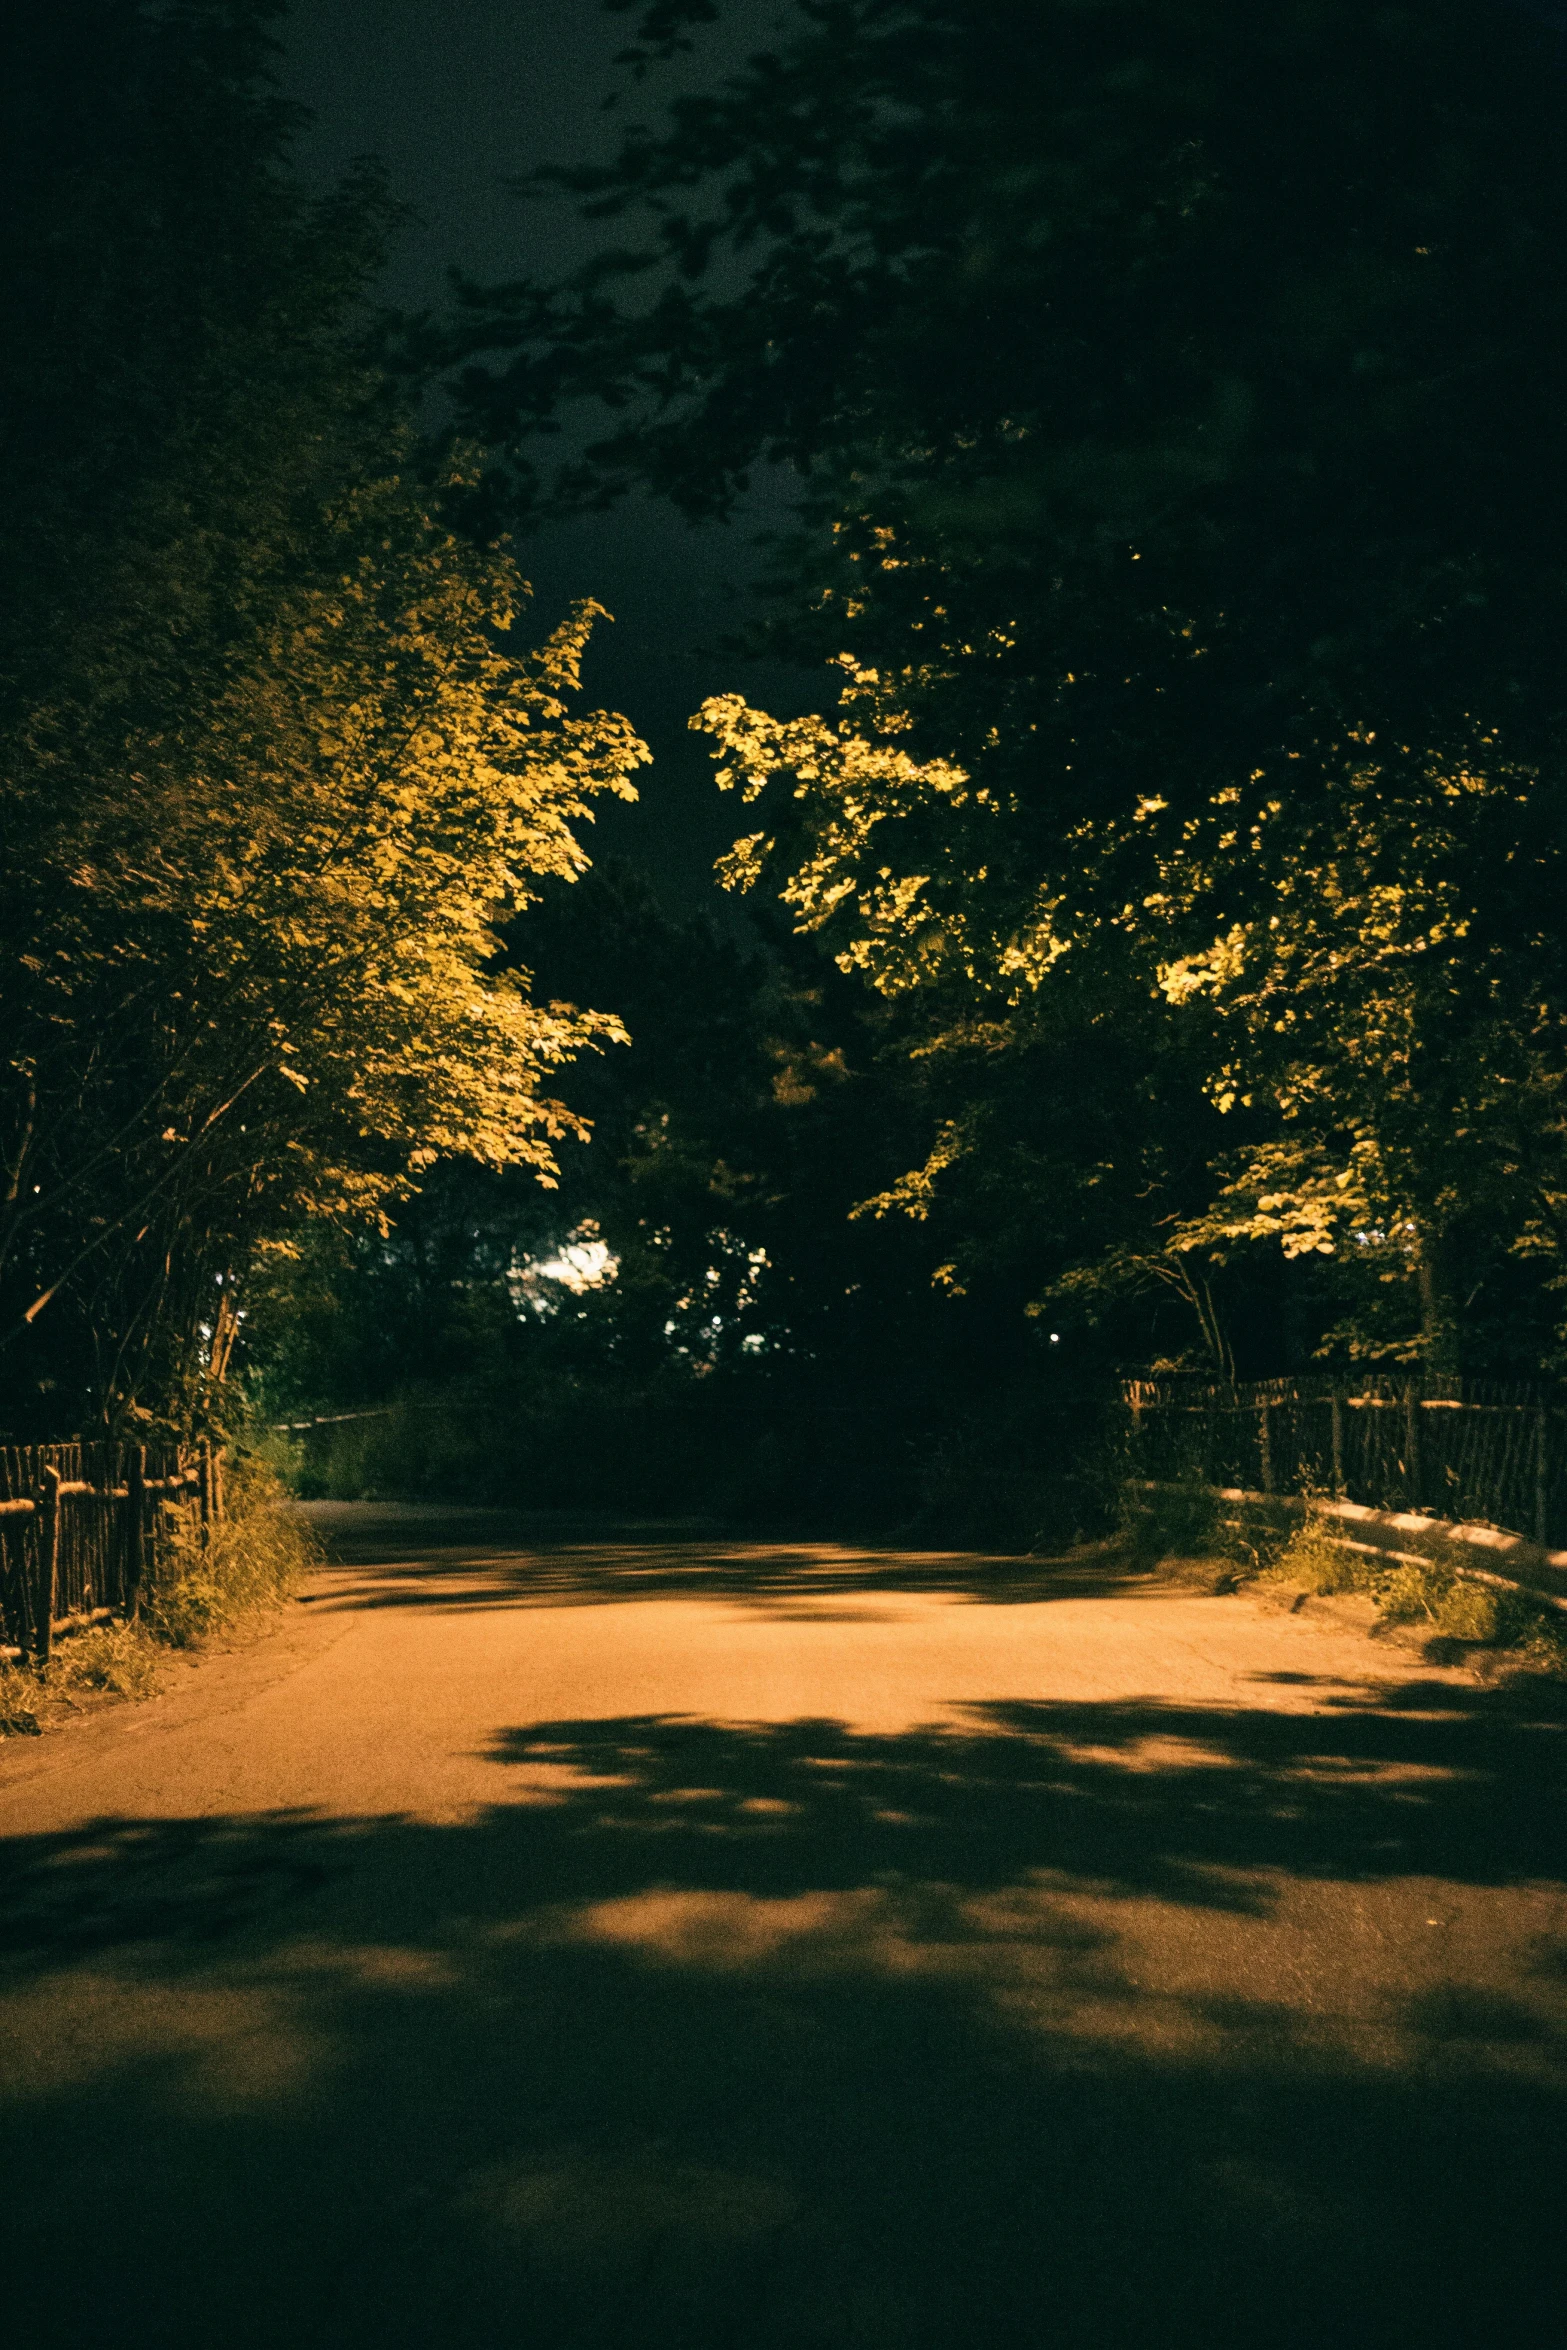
[1480,1451]
[81,1526]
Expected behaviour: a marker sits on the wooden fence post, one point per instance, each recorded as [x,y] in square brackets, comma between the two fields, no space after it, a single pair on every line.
[136,1525]
[204,1486]
[48,1563]
[1338,1445]
[1542,1489]
[1412,1445]
[1265,1418]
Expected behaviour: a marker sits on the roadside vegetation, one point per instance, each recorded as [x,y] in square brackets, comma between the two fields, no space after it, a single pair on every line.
[1426,1598]
[225,1586]
[279,745]
[1268,1547]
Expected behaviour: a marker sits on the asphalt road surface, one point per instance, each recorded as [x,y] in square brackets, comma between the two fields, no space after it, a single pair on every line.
[636,1941]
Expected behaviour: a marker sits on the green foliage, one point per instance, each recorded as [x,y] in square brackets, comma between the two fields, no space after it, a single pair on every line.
[1180,1521]
[1470,1612]
[752,1347]
[118,1659]
[1409,1595]
[1315,1561]
[1431,1597]
[19,1702]
[1401,1009]
[1180,517]
[1189,1519]
[270,772]
[1540,1646]
[242,1568]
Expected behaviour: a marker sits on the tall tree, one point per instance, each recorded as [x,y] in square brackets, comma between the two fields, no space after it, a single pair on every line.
[269,775]
[1164,379]
[696,1315]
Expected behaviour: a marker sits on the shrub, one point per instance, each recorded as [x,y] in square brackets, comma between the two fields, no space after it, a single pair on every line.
[1313,1560]
[248,1563]
[19,1696]
[1405,1593]
[120,1658]
[1471,1611]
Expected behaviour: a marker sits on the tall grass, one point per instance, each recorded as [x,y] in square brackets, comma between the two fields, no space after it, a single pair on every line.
[241,1569]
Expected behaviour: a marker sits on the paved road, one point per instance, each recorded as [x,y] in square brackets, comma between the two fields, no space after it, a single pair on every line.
[548,1939]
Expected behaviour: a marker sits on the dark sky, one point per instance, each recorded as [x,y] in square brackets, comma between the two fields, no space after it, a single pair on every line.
[455,96]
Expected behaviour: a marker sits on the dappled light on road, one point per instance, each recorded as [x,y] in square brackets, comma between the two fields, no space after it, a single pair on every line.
[1043,2018]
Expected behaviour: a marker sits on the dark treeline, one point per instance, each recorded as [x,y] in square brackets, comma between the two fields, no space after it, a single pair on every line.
[1152,950]
[757,1344]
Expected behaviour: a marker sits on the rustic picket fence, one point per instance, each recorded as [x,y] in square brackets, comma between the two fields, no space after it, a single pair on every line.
[1477,1451]
[81,1526]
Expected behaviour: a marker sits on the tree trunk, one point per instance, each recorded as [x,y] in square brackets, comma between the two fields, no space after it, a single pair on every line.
[1438,1313]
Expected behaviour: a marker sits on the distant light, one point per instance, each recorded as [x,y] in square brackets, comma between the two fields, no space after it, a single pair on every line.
[583,1261]
[1055,1338]
[579,1264]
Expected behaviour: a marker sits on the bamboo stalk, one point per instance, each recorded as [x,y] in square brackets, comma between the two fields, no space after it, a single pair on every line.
[49,1562]
[136,1526]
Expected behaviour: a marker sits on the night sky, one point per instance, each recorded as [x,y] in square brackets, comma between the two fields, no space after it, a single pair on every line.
[455,96]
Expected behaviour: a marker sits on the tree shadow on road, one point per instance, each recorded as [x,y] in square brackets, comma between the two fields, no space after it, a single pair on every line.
[1087,2023]
[446,1558]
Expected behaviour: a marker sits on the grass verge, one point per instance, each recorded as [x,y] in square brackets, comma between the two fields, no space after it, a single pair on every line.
[1191,1530]
[232,1582]
[1450,1605]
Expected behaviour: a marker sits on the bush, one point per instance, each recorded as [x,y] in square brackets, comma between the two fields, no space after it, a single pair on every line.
[1450,1603]
[119,1658]
[1404,1594]
[1540,1645]
[1313,1560]
[19,1696]
[1471,1611]
[250,1562]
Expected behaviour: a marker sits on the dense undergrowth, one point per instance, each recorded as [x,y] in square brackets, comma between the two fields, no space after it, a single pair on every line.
[227,1582]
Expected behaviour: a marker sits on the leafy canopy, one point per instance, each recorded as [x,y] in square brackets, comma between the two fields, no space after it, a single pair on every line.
[271,773]
[1180,506]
